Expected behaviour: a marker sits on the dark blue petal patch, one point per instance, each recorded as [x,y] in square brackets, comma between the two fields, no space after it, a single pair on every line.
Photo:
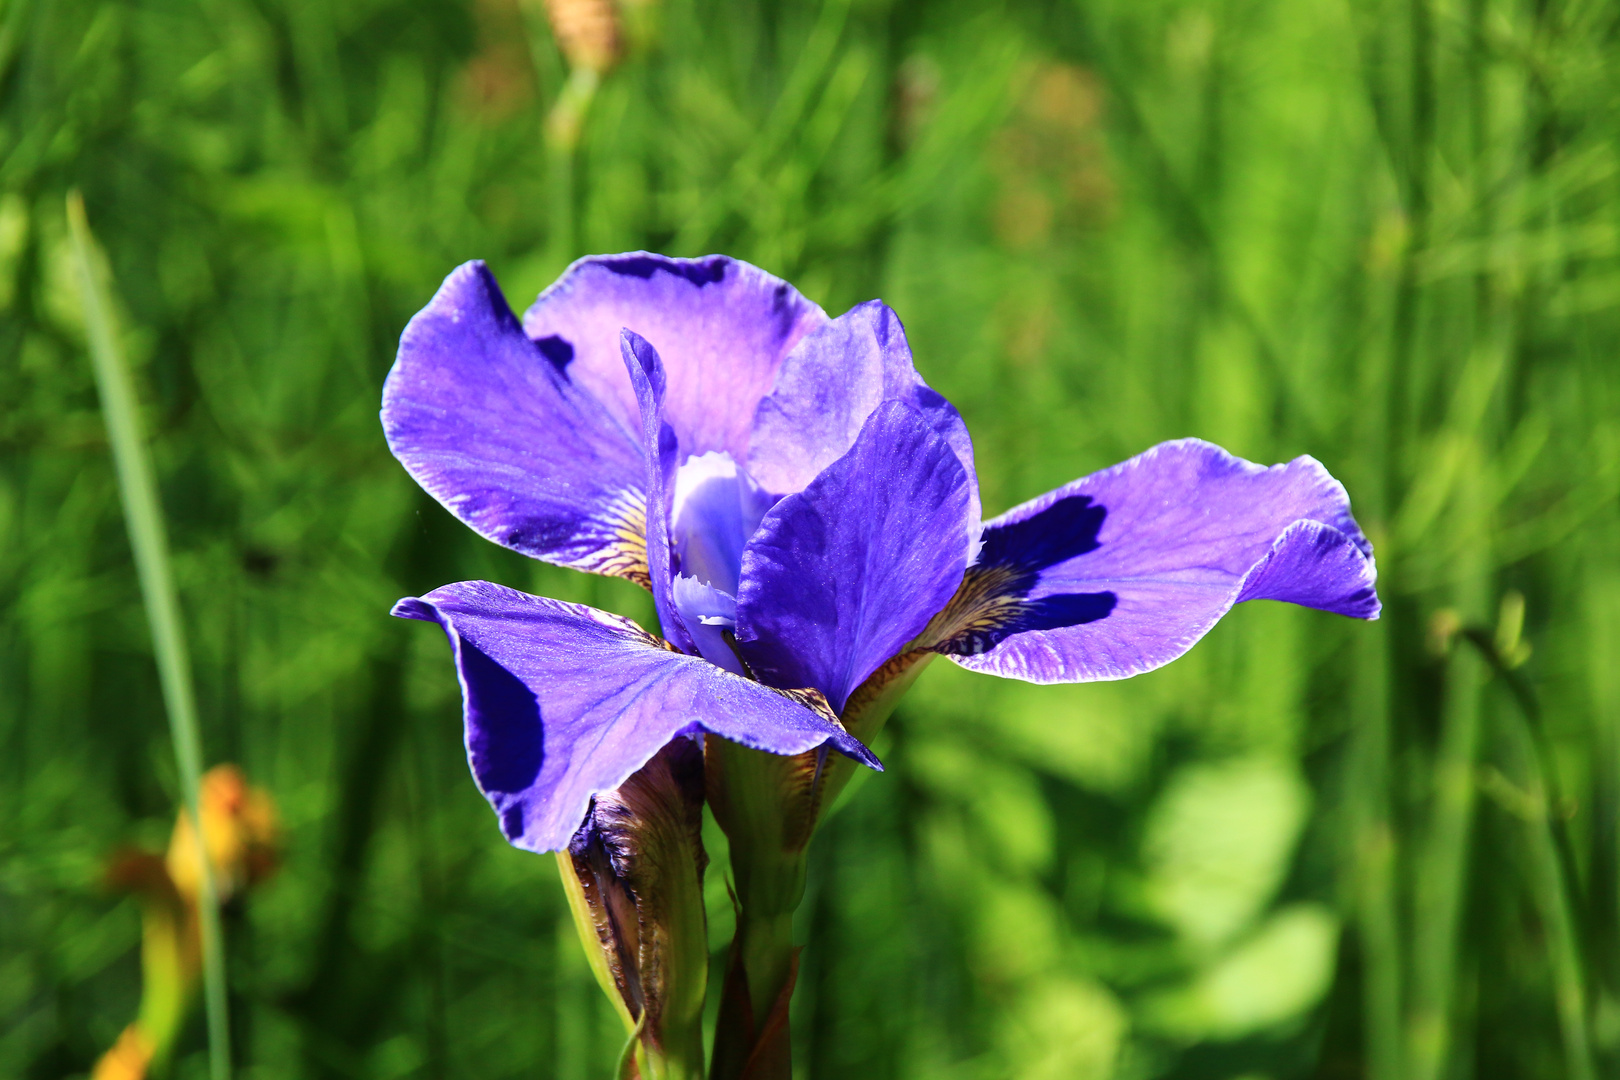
[559,350]
[1063,530]
[708,271]
[993,601]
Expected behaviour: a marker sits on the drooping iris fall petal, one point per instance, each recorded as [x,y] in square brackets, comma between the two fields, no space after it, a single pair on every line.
[1124,570]
[562,702]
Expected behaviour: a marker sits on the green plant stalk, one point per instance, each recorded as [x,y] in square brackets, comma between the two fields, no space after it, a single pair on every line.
[1373,857]
[147,537]
[769,807]
[564,124]
[1439,892]
[769,831]
[1552,893]
[1553,874]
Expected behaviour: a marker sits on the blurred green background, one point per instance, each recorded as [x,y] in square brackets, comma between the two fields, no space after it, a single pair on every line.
[1382,232]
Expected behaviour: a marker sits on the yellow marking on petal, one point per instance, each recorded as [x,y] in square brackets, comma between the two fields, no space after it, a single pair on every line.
[860,710]
[985,601]
[625,555]
[812,699]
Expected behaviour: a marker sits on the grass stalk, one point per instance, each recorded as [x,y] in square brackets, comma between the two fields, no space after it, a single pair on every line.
[1553,895]
[1553,876]
[148,539]
[1439,894]
[1374,856]
[564,125]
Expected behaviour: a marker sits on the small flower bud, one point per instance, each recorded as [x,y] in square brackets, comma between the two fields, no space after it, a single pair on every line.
[634,875]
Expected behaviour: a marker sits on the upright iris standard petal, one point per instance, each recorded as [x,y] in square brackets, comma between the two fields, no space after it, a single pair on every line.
[659,445]
[721,325]
[841,575]
[563,702]
[1124,570]
[485,421]
[827,388]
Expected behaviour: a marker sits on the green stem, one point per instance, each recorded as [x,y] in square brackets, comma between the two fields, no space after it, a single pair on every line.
[682,1055]
[1437,915]
[1552,893]
[625,1070]
[766,941]
[563,126]
[1554,882]
[1373,857]
[1439,892]
[144,517]
[767,805]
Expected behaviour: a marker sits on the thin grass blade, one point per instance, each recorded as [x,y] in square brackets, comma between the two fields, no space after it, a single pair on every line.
[149,540]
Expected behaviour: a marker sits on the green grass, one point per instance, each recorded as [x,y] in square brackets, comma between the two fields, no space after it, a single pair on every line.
[1384,234]
[149,543]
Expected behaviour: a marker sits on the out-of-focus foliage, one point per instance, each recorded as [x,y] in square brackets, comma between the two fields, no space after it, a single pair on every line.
[1385,233]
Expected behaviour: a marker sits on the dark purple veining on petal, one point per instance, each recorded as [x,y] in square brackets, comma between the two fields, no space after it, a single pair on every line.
[507,749]
[994,602]
[708,271]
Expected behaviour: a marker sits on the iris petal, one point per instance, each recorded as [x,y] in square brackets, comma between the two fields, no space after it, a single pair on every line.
[842,574]
[660,447]
[714,509]
[487,423]
[709,615]
[828,387]
[721,326]
[563,702]
[1124,570]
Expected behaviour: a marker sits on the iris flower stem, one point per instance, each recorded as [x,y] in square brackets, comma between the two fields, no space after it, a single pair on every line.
[767,805]
[748,1041]
[766,942]
[144,517]
[682,1055]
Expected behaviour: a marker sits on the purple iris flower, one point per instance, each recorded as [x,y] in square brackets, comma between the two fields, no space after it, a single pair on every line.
[803,508]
